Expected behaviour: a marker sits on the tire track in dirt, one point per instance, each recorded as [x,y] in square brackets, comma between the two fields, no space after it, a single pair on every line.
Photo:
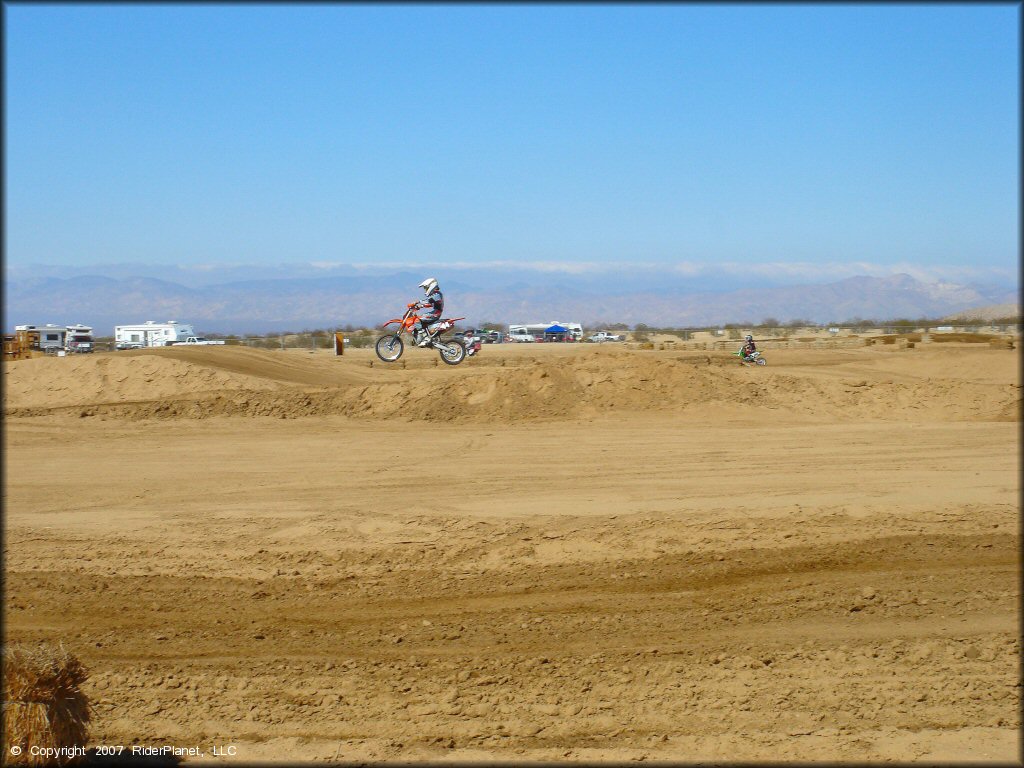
[558,657]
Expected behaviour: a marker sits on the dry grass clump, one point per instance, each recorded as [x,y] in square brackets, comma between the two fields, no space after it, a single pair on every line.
[44,706]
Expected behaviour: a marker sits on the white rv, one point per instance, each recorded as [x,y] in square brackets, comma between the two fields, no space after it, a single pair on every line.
[78,339]
[45,337]
[53,338]
[151,334]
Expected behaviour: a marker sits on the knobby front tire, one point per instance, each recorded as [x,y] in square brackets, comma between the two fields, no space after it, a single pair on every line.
[389,348]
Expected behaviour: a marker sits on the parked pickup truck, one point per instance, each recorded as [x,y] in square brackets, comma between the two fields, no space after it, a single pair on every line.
[194,340]
[605,336]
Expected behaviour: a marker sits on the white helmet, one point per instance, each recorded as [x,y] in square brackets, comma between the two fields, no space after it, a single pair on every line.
[428,285]
[749,337]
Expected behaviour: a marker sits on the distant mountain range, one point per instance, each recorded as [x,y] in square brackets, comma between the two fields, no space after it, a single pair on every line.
[275,304]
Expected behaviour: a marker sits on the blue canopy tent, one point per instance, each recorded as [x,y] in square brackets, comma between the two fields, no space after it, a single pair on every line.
[555,333]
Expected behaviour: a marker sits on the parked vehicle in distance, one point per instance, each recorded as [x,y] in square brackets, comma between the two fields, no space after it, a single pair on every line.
[201,340]
[129,345]
[152,333]
[79,339]
[602,336]
[486,336]
[525,338]
[52,338]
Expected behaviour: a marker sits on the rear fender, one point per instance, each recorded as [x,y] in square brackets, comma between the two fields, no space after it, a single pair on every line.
[443,325]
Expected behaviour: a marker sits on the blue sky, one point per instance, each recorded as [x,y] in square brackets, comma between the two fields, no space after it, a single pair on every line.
[808,138]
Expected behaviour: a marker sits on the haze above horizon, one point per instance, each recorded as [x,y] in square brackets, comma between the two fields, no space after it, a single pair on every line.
[561,137]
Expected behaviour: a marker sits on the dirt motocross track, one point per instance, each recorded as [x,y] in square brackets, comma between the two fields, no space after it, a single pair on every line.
[549,552]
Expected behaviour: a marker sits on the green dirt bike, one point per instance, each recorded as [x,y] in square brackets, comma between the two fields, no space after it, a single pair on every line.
[754,358]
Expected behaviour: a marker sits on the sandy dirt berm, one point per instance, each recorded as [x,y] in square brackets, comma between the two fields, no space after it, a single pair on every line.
[549,552]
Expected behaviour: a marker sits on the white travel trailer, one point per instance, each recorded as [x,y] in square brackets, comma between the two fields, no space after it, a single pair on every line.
[53,338]
[45,337]
[151,334]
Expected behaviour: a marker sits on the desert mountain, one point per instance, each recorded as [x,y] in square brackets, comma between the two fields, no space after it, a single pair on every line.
[267,305]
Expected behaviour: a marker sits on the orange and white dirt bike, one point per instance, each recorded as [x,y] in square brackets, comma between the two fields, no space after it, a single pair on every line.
[390,347]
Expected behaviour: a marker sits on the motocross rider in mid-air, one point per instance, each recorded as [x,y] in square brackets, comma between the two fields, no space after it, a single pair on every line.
[434,306]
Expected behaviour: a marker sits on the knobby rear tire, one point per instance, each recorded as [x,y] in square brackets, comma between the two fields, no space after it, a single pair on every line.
[453,352]
[389,348]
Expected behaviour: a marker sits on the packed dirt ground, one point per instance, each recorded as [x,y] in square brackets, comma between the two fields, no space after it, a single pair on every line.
[549,552]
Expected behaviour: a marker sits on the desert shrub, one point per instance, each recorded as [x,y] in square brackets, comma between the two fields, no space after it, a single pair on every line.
[360,339]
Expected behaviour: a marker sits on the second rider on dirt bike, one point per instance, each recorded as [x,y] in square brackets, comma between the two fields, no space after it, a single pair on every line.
[749,347]
[749,354]
[434,306]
